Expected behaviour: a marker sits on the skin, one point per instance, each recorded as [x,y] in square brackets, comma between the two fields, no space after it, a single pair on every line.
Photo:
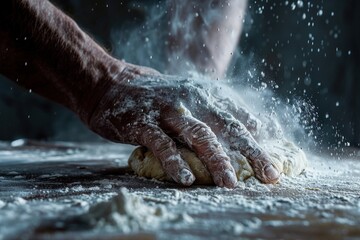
[44,50]
[205,33]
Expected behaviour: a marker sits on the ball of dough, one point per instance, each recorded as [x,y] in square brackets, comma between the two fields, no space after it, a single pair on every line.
[285,156]
[145,164]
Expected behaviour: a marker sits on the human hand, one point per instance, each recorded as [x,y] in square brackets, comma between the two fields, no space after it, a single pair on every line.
[143,107]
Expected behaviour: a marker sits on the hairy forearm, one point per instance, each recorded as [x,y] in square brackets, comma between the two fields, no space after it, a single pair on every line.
[44,50]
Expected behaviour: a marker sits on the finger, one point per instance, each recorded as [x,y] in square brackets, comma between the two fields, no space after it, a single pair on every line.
[237,136]
[199,137]
[240,139]
[164,148]
[252,124]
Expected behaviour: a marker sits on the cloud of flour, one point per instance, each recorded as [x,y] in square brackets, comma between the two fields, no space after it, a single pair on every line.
[147,44]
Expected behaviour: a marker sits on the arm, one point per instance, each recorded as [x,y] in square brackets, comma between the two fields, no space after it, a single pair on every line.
[44,50]
[205,33]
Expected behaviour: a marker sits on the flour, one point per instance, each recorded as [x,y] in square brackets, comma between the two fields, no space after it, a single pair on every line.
[127,213]
[2,204]
[321,199]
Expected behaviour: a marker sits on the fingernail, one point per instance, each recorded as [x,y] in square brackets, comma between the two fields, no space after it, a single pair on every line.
[272,175]
[230,179]
[186,177]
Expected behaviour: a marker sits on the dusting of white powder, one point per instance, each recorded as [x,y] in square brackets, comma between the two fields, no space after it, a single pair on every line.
[127,213]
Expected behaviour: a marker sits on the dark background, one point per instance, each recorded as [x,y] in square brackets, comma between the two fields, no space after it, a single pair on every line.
[303,49]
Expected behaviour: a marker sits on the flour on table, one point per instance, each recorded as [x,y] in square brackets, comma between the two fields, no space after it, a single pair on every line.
[285,156]
[126,213]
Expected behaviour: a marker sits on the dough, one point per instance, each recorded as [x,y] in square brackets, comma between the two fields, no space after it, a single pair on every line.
[144,164]
[286,157]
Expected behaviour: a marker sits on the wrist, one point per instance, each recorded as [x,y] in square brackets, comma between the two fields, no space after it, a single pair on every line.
[108,74]
[112,86]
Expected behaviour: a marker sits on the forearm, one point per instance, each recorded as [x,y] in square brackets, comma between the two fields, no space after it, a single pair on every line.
[44,50]
[205,33]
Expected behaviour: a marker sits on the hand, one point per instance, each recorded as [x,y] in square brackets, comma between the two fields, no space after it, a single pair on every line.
[143,107]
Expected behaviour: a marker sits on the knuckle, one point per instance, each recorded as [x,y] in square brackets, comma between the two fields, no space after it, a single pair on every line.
[164,146]
[253,125]
[253,152]
[236,129]
[202,134]
[144,133]
[180,124]
[143,136]
[217,162]
[159,142]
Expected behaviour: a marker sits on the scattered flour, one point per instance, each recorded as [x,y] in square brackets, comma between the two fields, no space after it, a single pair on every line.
[320,199]
[2,204]
[127,213]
